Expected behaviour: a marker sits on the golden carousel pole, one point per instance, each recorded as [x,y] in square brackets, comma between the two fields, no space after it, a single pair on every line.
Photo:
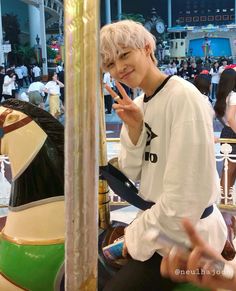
[81,143]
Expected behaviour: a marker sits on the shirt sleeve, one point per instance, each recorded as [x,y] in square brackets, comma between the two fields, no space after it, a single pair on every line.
[131,156]
[232,98]
[187,188]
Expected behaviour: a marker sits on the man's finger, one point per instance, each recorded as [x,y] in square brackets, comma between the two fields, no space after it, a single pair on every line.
[124,251]
[164,267]
[112,93]
[122,92]
[195,239]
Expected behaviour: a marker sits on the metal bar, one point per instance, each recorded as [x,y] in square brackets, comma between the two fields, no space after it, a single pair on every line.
[228,208]
[226,140]
[81,143]
[226,179]
[113,139]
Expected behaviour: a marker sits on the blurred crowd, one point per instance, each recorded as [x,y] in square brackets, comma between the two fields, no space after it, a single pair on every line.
[188,69]
[25,83]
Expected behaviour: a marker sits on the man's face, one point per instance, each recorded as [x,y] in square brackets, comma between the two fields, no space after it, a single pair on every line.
[130,66]
[54,77]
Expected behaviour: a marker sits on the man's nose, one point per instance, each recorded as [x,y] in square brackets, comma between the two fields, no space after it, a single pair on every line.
[120,66]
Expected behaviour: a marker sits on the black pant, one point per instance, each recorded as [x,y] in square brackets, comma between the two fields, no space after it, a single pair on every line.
[140,276]
[108,103]
[213,91]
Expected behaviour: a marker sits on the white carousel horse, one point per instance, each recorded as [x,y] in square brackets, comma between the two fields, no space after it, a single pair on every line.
[32,241]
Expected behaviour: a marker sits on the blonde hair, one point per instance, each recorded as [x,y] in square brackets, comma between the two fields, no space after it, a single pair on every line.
[125,33]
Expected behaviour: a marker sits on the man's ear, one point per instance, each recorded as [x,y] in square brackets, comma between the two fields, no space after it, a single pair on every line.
[147,49]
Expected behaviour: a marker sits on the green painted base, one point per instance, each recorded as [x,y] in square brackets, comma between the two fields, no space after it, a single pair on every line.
[189,287]
[31,267]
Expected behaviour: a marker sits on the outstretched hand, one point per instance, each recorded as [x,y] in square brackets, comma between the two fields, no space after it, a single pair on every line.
[128,111]
[197,267]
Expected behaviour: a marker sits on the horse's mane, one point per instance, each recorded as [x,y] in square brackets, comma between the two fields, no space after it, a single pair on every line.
[52,127]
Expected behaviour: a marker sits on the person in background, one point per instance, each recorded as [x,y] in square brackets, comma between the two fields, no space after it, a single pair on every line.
[203,83]
[184,71]
[215,77]
[9,85]
[168,70]
[36,93]
[107,80]
[36,73]
[224,63]
[2,75]
[30,73]
[59,68]
[166,131]
[194,72]
[61,78]
[174,68]
[19,76]
[24,70]
[207,64]
[175,60]
[53,89]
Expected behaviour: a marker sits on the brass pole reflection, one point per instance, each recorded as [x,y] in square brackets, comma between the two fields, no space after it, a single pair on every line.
[81,165]
[226,140]
[103,194]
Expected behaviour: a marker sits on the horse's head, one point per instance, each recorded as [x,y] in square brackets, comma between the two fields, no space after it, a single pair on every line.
[34,142]
[20,138]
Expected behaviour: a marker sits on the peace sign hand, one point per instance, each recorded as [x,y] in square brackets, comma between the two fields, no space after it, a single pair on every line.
[128,111]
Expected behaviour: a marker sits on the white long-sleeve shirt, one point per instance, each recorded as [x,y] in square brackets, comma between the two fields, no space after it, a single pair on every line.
[215,76]
[175,162]
[8,85]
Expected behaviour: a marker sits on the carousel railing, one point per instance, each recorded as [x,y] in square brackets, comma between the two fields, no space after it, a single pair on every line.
[4,184]
[223,156]
[227,199]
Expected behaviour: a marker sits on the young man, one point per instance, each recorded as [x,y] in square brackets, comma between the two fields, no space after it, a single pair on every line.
[167,144]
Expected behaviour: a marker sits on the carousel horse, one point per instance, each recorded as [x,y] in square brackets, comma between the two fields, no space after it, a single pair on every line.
[32,240]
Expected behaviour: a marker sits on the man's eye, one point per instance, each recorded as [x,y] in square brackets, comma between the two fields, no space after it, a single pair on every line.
[110,65]
[124,55]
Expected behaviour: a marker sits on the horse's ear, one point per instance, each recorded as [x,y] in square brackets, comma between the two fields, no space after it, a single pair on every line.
[11,118]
